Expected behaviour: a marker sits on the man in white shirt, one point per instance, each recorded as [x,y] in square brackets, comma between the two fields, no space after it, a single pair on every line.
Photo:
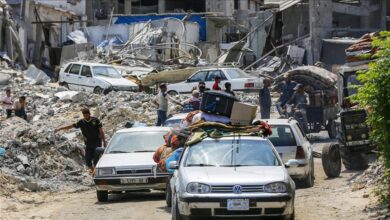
[8,103]
[161,101]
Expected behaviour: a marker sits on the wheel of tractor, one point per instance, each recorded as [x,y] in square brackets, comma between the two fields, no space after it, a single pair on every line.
[102,196]
[331,128]
[354,160]
[331,160]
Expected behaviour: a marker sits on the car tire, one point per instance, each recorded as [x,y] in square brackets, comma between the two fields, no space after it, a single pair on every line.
[102,196]
[309,180]
[64,84]
[331,128]
[98,90]
[331,160]
[175,211]
[354,160]
[168,195]
[173,93]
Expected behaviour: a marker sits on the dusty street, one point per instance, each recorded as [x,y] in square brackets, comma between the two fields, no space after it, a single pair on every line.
[328,199]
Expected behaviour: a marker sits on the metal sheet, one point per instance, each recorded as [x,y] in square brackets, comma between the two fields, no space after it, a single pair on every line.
[281,4]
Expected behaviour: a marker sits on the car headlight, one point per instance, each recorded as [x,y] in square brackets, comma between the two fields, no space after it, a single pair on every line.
[105,171]
[275,188]
[198,188]
[349,137]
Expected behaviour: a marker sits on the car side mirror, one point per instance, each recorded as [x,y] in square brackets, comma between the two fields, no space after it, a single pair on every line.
[291,163]
[173,165]
[188,80]
[89,75]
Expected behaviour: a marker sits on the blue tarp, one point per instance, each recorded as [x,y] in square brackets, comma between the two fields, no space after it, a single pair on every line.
[198,18]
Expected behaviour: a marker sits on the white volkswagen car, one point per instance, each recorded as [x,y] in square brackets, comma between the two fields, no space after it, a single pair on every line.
[94,77]
[127,163]
[231,177]
[292,144]
[240,80]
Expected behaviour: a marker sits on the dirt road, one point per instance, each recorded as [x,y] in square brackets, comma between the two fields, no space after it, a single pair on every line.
[328,199]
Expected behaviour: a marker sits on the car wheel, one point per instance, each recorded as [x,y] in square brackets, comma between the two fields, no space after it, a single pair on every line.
[102,196]
[175,211]
[309,180]
[172,93]
[64,84]
[331,160]
[168,195]
[98,90]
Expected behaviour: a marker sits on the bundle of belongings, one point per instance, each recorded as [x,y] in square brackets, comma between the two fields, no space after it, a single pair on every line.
[361,51]
[220,115]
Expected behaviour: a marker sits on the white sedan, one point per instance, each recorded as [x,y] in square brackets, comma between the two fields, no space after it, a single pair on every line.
[94,77]
[127,163]
[239,80]
[292,145]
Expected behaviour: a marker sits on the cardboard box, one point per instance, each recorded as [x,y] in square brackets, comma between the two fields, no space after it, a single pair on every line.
[243,114]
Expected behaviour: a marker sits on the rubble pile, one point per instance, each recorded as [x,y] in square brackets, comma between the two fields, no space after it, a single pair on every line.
[372,176]
[37,159]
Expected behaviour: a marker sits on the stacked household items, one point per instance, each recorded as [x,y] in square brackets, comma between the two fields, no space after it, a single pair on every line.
[362,51]
[220,114]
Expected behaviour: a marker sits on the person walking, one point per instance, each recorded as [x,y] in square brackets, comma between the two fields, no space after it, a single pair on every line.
[286,91]
[161,101]
[228,89]
[265,99]
[92,130]
[8,102]
[20,108]
[217,80]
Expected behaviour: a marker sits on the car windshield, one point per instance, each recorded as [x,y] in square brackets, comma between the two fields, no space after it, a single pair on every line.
[228,153]
[236,73]
[106,71]
[133,142]
[282,135]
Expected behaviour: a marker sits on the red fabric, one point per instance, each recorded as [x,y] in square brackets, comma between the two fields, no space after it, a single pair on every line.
[216,86]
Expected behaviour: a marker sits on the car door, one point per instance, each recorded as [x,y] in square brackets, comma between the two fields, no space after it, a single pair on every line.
[284,140]
[210,79]
[74,73]
[86,78]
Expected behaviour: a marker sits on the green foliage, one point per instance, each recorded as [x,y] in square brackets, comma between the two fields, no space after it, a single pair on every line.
[375,95]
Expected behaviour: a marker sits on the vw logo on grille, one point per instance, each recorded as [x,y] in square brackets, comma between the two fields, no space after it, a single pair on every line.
[237,189]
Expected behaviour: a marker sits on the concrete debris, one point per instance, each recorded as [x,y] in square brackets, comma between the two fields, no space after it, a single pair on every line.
[77,37]
[370,177]
[36,75]
[4,79]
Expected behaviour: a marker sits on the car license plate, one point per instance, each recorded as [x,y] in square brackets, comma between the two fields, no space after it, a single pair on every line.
[133,180]
[238,204]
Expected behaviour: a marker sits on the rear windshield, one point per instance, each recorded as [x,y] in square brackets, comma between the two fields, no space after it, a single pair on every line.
[228,153]
[282,135]
[236,73]
[132,142]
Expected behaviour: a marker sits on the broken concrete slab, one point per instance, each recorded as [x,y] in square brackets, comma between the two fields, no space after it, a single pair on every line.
[4,78]
[36,76]
[66,95]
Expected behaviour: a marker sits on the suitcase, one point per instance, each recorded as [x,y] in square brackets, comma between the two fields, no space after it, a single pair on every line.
[217,103]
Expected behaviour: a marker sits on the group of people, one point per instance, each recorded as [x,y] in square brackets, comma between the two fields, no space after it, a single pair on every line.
[291,93]
[190,104]
[17,107]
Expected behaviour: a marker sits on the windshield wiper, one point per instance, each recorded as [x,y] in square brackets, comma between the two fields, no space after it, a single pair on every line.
[117,152]
[201,165]
[237,165]
[141,151]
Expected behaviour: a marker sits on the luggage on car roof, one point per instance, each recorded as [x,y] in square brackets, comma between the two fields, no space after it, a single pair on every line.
[218,103]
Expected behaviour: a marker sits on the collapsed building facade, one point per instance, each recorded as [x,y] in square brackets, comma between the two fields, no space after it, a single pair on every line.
[211,26]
